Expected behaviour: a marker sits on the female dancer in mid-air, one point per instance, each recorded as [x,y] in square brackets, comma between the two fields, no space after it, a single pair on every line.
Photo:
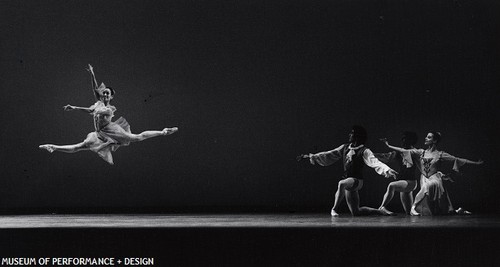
[354,156]
[108,135]
[407,180]
[432,197]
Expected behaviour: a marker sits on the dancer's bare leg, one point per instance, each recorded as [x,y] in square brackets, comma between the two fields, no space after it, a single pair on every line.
[397,186]
[339,195]
[389,193]
[150,134]
[352,198]
[369,211]
[65,148]
[418,198]
[406,200]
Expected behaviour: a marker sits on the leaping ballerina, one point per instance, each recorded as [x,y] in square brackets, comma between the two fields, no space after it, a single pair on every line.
[108,135]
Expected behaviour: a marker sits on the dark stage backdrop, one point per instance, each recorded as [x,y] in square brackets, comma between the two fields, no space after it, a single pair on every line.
[251,85]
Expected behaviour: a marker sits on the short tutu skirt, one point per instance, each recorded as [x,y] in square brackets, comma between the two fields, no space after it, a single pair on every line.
[118,132]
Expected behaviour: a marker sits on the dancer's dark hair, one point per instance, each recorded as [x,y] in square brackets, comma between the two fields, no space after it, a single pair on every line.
[437,136]
[360,134]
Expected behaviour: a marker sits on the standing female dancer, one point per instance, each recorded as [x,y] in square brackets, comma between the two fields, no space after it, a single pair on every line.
[432,197]
[354,156]
[109,135]
[407,181]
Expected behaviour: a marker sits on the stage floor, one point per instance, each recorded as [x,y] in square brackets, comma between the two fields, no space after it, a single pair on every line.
[257,239]
[245,221]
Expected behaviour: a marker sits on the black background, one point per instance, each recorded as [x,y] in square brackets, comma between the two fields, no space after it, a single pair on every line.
[251,85]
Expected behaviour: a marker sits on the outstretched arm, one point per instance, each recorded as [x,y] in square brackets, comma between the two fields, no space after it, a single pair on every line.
[86,110]
[395,148]
[459,162]
[479,162]
[94,82]
[323,158]
[379,167]
[102,110]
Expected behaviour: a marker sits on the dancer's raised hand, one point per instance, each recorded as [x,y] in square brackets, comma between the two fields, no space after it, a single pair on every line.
[90,69]
[384,140]
[302,156]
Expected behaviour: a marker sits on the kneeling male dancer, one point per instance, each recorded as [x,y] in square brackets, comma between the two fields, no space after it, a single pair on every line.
[354,157]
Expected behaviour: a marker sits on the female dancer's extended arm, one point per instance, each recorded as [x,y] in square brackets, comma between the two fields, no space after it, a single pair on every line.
[94,82]
[96,94]
[449,157]
[395,148]
[86,110]
[458,162]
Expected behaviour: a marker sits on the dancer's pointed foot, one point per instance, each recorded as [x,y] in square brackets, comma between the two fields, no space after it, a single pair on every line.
[413,212]
[168,131]
[334,213]
[386,212]
[49,148]
[463,212]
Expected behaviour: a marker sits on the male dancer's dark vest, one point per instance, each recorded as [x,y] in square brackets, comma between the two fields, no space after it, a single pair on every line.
[405,173]
[354,168]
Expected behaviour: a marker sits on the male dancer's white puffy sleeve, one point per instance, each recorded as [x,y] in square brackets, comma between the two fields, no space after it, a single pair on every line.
[372,162]
[326,158]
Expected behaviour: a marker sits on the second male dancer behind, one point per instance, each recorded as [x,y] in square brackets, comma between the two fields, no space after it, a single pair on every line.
[407,180]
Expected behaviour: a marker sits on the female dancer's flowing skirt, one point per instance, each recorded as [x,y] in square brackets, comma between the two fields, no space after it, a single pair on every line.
[118,132]
[436,200]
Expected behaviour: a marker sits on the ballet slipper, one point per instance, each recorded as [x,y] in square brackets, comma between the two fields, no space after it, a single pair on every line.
[413,212]
[334,213]
[168,131]
[386,212]
[463,212]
